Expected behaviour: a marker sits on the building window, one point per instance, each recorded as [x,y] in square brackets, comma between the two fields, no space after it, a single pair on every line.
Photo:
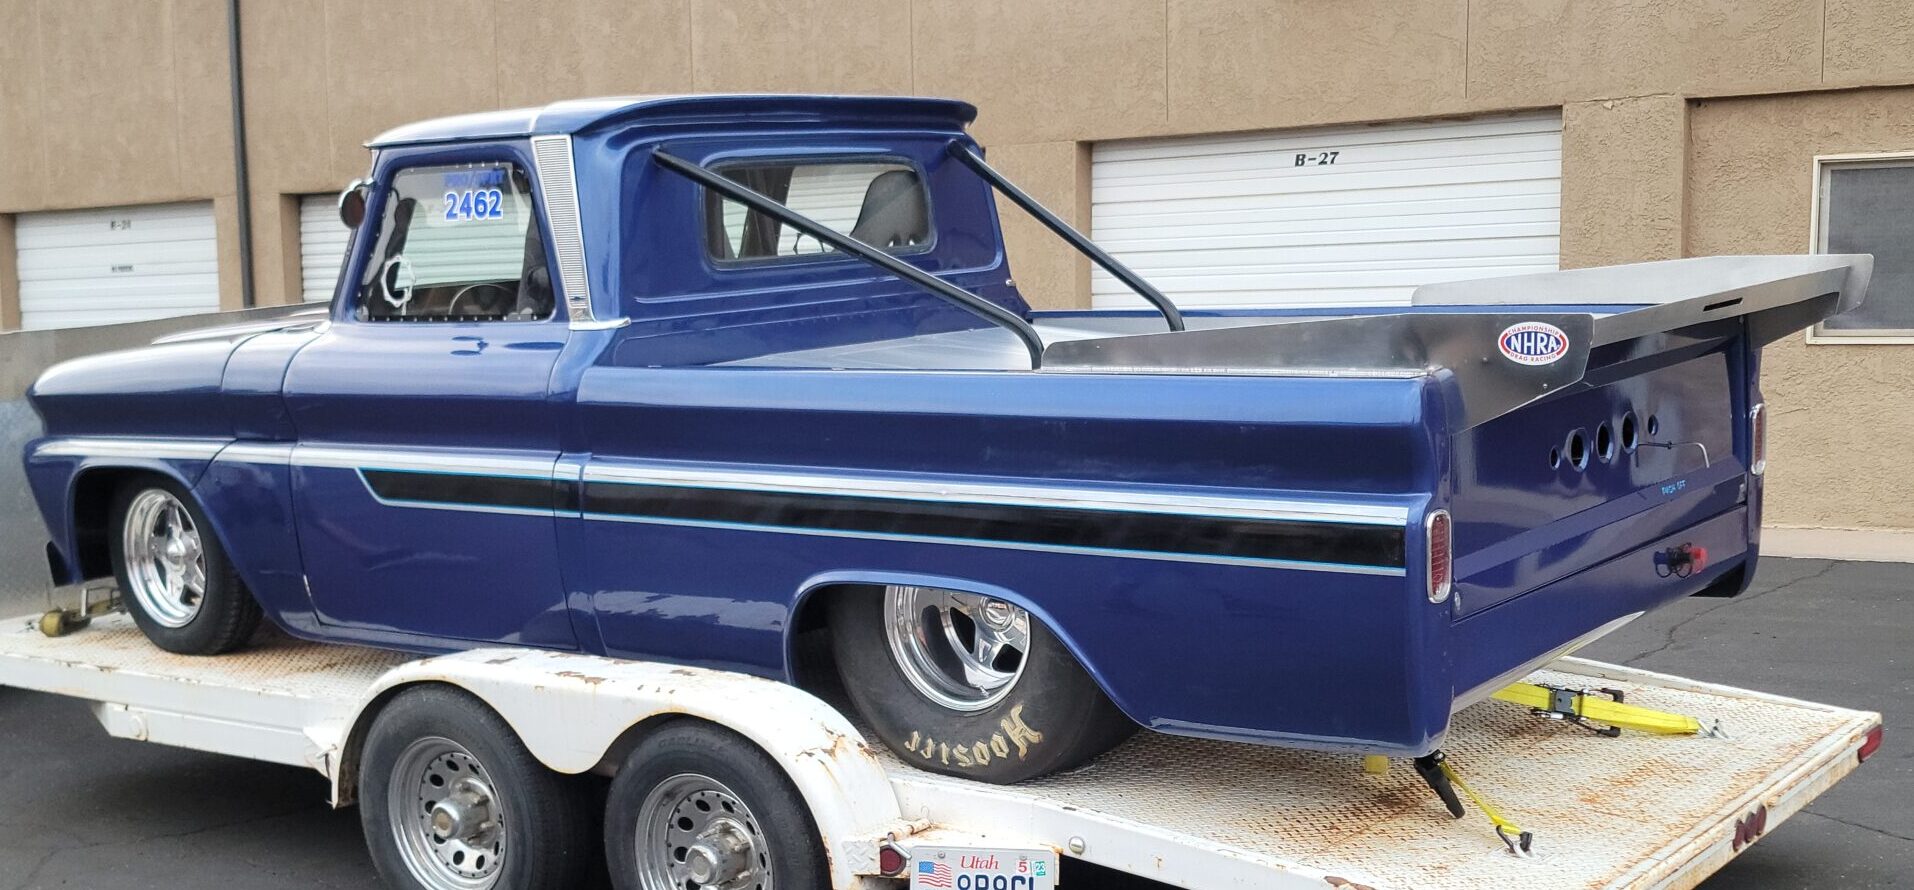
[1865,204]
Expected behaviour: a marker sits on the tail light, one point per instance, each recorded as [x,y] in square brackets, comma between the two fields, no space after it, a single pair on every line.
[1758,432]
[1441,555]
[1869,744]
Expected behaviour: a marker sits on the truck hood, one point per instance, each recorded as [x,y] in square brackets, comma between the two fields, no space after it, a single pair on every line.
[293,317]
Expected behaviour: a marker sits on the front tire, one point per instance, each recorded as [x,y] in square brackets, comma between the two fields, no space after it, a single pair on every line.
[174,575]
[970,686]
[451,800]
[695,805]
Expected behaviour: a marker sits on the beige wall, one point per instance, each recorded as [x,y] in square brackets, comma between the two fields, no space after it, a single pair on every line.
[1842,415]
[108,102]
[1688,126]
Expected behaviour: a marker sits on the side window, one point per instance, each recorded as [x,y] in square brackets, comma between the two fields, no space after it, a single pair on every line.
[457,243]
[879,203]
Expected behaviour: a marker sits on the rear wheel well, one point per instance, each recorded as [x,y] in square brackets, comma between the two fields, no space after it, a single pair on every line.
[813,662]
[92,517]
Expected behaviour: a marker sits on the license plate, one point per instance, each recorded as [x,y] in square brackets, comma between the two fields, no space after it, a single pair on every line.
[969,868]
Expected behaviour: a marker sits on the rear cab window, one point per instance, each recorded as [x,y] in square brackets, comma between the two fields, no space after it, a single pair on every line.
[879,202]
[457,243]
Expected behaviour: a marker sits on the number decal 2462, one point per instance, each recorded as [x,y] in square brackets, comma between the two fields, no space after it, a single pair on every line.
[474,204]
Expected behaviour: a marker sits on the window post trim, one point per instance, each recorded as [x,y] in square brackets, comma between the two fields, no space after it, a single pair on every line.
[558,187]
[1823,164]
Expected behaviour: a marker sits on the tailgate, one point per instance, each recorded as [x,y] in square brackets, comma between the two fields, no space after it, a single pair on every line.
[1656,445]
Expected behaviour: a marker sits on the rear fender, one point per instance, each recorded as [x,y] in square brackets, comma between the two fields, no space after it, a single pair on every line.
[571,709]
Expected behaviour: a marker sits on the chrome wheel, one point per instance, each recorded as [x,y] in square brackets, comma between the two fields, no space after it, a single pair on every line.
[961,650]
[165,558]
[446,817]
[696,834]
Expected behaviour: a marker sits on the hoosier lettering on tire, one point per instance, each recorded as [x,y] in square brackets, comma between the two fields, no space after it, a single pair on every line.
[967,685]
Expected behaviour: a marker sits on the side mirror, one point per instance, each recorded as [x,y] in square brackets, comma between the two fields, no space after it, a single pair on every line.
[352,203]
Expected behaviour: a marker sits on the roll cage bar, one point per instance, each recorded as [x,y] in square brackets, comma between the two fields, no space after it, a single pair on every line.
[964,299]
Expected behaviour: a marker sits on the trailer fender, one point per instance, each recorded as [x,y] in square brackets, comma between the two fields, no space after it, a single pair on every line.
[570,709]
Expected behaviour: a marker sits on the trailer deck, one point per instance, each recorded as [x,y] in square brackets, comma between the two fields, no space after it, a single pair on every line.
[1637,811]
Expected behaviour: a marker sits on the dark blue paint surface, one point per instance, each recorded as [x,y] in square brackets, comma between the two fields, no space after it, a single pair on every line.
[1298,653]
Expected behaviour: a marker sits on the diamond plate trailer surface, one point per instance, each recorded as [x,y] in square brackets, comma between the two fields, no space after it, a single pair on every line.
[1633,812]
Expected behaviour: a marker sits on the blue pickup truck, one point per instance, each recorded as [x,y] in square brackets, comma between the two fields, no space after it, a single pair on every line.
[745,382]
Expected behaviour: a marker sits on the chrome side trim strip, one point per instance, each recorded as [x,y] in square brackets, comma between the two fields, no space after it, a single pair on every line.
[352,458]
[347,457]
[128,446]
[558,186]
[988,493]
[258,452]
[607,324]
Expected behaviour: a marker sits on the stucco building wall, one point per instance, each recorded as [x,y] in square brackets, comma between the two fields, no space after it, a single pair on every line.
[1689,125]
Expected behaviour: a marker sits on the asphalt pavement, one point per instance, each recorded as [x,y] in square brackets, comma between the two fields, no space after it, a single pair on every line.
[81,810]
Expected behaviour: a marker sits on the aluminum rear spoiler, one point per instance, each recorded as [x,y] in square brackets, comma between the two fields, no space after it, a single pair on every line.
[1502,357]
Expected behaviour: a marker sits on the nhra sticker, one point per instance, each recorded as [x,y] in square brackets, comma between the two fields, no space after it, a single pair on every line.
[1532,343]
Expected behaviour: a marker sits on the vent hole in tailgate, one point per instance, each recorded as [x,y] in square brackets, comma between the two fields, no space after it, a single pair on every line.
[1604,442]
[1630,435]
[1654,426]
[1577,451]
[1554,458]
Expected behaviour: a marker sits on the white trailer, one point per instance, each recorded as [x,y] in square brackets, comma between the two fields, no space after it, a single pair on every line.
[1637,811]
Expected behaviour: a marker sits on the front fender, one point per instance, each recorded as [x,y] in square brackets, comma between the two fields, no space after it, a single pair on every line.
[57,470]
[569,709]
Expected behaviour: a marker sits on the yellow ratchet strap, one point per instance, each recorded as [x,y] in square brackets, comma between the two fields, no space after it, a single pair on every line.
[1434,769]
[1510,833]
[1605,706]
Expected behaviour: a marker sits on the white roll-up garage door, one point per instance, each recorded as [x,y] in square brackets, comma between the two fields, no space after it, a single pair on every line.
[116,264]
[322,246]
[1343,216]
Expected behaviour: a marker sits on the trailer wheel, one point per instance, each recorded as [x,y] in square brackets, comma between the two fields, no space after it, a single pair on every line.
[174,576]
[451,800]
[696,806]
[967,685]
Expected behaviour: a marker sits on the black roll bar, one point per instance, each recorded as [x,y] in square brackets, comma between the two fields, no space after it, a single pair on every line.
[966,300]
[1077,239]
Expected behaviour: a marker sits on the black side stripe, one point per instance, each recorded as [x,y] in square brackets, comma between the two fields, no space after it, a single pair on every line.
[1344,543]
[473,490]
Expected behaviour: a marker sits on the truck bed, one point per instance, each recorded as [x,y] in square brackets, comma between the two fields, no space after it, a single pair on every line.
[1636,811]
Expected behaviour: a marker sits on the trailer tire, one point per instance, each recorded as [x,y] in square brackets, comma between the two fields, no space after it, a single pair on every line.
[156,581]
[450,799]
[698,805]
[1051,715]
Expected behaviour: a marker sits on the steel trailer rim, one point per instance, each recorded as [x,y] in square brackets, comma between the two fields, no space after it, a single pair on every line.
[165,558]
[446,817]
[693,831]
[963,651]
